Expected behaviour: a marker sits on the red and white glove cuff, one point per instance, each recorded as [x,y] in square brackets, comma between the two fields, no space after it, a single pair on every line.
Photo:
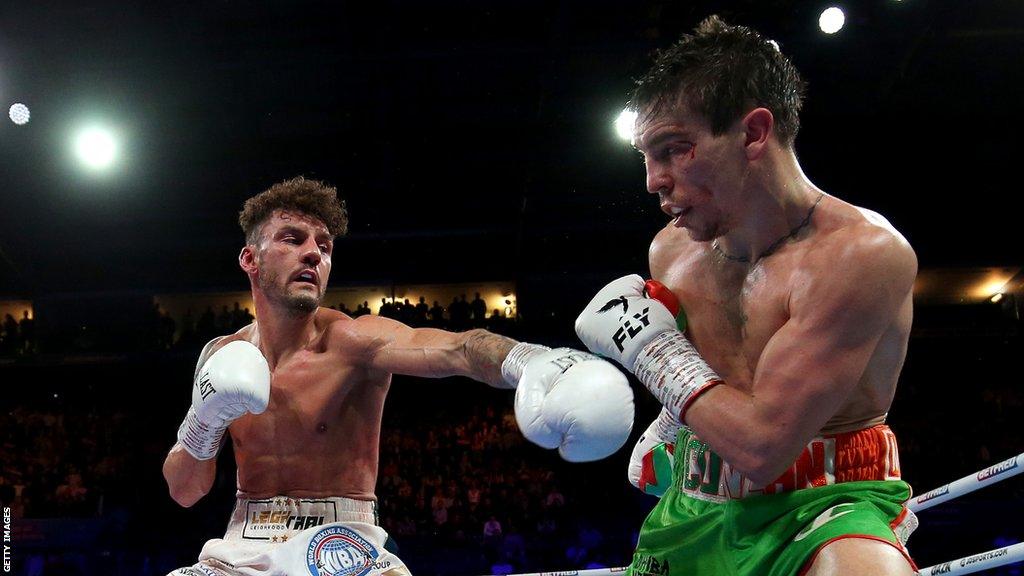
[200,440]
[672,369]
[513,365]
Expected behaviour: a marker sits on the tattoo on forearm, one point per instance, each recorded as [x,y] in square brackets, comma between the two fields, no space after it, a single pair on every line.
[485,352]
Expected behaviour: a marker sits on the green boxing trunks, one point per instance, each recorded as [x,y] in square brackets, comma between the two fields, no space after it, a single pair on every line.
[714,521]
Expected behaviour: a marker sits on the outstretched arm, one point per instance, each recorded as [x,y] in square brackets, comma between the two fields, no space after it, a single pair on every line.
[390,346]
[565,398]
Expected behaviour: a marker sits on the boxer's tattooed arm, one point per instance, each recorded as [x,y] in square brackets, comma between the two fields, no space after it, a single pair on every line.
[485,352]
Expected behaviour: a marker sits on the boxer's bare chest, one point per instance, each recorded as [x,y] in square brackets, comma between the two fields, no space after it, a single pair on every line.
[317,402]
[733,309]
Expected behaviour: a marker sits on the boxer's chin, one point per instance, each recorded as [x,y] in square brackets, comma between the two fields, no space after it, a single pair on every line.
[302,303]
[703,233]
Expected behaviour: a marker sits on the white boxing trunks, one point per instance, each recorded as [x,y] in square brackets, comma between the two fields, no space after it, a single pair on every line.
[299,537]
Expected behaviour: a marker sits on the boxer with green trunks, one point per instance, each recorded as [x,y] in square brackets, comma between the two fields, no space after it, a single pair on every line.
[771,450]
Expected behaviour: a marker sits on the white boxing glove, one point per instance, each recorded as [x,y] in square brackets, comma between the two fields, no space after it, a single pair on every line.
[621,319]
[570,400]
[650,466]
[625,323]
[235,380]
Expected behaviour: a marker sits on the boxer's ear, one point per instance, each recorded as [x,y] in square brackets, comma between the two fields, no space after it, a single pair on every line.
[247,259]
[757,127]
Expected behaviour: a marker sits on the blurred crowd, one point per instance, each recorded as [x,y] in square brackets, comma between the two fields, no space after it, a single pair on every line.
[87,446]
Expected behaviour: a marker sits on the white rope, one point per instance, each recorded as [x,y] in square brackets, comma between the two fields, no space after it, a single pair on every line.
[968,484]
[966,565]
[977,562]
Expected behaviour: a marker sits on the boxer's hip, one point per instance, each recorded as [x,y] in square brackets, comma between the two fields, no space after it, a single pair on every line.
[317,536]
[280,518]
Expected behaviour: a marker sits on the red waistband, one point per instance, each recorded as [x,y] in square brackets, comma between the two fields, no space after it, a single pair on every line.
[867,454]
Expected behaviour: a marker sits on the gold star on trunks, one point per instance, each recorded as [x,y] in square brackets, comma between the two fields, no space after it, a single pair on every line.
[284,538]
[274,539]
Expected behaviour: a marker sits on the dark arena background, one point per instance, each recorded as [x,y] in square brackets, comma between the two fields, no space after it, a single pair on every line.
[475,145]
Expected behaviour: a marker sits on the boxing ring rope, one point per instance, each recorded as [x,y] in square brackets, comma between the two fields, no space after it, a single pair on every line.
[966,565]
[977,562]
[969,483]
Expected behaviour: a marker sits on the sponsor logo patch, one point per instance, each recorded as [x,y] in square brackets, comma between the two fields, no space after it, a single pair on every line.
[630,328]
[194,571]
[277,520]
[942,491]
[997,469]
[822,519]
[339,551]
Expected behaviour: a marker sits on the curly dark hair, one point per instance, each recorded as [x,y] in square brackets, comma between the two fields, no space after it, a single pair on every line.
[310,197]
[719,72]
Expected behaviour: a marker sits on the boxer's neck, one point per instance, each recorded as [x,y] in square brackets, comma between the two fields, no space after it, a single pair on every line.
[281,332]
[778,201]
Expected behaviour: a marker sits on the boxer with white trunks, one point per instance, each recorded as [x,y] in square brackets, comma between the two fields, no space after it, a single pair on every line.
[301,392]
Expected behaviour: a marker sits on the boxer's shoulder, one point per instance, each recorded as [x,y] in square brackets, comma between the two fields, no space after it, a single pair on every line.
[354,337]
[851,238]
[855,255]
[670,247]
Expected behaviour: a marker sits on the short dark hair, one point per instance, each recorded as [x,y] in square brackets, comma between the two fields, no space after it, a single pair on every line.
[719,71]
[310,197]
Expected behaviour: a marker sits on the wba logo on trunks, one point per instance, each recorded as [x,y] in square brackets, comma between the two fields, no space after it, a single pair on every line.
[278,519]
[339,551]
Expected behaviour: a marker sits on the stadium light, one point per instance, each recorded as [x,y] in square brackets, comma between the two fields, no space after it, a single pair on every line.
[625,123]
[19,114]
[96,147]
[831,20]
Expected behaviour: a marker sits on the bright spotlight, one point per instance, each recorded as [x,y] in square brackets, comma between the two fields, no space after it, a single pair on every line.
[831,20]
[624,124]
[19,114]
[96,147]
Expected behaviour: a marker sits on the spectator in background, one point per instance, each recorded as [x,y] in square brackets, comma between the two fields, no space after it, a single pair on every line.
[436,315]
[361,309]
[166,327]
[459,313]
[28,333]
[407,312]
[421,311]
[478,309]
[387,309]
[71,496]
[11,341]
[207,326]
[225,321]
[496,323]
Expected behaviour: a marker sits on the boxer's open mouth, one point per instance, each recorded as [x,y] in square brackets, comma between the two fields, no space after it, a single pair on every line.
[305,276]
[679,213]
